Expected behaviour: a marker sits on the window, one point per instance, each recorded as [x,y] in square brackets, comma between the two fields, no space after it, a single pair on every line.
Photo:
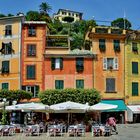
[59,84]
[31,72]
[134,47]
[134,67]
[79,64]
[79,83]
[32,31]
[110,84]
[117,45]
[6,48]
[34,89]
[56,63]
[8,30]
[102,46]
[5,86]
[5,67]
[110,63]
[31,50]
[135,89]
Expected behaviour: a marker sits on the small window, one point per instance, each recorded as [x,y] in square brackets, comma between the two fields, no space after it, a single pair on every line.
[79,64]
[135,88]
[5,67]
[57,63]
[6,48]
[117,45]
[31,72]
[59,84]
[34,89]
[134,47]
[5,86]
[110,84]
[8,30]
[79,83]
[31,31]
[102,45]
[134,67]
[110,63]
[31,50]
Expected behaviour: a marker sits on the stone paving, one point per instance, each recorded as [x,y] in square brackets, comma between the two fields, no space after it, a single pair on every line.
[126,132]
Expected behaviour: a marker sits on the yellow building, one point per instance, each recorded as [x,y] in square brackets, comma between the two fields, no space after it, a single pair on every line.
[10,52]
[67,13]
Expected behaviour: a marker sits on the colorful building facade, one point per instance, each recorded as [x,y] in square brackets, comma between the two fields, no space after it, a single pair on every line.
[33,48]
[10,52]
[108,43]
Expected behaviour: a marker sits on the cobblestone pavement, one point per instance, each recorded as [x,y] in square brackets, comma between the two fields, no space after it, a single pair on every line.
[126,132]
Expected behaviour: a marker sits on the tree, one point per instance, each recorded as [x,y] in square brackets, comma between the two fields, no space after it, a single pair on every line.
[54,96]
[45,8]
[33,16]
[121,23]
[2,15]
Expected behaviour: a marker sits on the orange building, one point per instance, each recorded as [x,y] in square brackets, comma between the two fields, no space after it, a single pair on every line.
[67,69]
[108,43]
[33,47]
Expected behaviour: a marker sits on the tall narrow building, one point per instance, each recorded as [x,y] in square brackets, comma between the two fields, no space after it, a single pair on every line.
[108,43]
[10,52]
[33,42]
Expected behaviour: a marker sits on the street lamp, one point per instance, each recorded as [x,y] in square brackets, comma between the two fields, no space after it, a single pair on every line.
[4,121]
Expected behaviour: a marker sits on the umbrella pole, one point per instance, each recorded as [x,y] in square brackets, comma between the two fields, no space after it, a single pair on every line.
[68,118]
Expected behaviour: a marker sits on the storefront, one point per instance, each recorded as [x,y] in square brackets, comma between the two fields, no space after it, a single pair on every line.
[133,113]
[118,113]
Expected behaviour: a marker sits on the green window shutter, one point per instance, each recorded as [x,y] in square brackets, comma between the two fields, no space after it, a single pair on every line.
[117,45]
[79,83]
[59,84]
[31,72]
[134,67]
[135,88]
[36,91]
[102,46]
[5,66]
[53,63]
[79,64]
[5,86]
[61,63]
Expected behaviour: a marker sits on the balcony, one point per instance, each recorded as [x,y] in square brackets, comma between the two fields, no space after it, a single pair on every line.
[57,41]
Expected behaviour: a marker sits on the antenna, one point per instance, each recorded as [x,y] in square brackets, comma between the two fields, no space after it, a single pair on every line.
[124,19]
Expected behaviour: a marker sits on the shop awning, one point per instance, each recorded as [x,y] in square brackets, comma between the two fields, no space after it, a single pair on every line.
[134,108]
[120,103]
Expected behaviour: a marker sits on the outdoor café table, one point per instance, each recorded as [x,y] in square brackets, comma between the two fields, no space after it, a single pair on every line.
[31,130]
[98,130]
[76,130]
[55,129]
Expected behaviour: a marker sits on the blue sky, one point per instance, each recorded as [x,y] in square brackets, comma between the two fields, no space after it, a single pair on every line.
[104,10]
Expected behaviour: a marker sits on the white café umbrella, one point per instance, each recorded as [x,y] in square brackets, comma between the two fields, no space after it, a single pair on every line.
[102,106]
[28,107]
[69,107]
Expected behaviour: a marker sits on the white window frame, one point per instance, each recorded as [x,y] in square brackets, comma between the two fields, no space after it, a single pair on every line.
[115,63]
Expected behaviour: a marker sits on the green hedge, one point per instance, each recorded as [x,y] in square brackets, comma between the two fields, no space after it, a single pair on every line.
[16,95]
[54,96]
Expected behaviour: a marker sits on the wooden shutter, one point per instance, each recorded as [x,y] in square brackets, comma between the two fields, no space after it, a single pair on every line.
[53,63]
[110,84]
[5,86]
[115,63]
[61,63]
[79,83]
[135,89]
[23,88]
[36,90]
[135,67]
[5,66]
[104,63]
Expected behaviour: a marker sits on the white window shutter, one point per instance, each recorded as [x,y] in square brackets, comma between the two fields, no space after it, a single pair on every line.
[115,63]
[104,63]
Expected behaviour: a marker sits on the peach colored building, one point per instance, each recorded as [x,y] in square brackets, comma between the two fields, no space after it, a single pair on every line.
[33,47]
[108,43]
[68,69]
